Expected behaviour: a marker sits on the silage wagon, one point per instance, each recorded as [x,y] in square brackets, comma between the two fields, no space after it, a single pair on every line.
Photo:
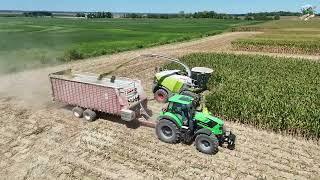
[89,94]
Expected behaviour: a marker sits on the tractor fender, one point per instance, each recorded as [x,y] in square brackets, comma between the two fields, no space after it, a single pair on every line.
[170,118]
[203,131]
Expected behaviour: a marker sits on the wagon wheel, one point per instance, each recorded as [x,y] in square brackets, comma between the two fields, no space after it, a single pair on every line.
[89,115]
[77,112]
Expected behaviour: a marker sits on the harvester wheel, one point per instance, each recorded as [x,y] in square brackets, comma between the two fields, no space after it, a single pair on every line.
[77,112]
[161,96]
[207,144]
[89,115]
[167,131]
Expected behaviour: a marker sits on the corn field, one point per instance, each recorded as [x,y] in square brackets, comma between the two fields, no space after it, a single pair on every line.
[284,36]
[279,94]
[278,46]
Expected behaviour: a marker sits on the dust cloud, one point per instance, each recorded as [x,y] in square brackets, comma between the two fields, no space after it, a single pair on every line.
[29,88]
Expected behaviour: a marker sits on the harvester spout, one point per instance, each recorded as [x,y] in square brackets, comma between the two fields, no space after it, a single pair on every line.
[169,59]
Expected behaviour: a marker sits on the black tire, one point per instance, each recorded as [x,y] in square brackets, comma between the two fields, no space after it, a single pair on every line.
[161,96]
[207,144]
[168,131]
[77,112]
[89,115]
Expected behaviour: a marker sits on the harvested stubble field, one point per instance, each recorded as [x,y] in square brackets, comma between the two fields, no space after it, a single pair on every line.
[41,140]
[285,36]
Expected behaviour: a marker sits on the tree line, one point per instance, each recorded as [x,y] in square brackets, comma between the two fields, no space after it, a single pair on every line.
[212,14]
[153,16]
[37,13]
[270,15]
[95,15]
[280,13]
[196,15]
[215,15]
[204,14]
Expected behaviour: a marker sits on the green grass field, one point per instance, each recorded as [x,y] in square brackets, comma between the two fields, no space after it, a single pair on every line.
[33,42]
[285,36]
[280,94]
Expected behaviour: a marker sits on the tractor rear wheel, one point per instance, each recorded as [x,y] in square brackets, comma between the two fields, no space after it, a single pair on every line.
[89,115]
[161,96]
[168,131]
[207,144]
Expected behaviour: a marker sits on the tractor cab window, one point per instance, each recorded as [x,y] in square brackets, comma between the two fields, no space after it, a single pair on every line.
[176,107]
[181,109]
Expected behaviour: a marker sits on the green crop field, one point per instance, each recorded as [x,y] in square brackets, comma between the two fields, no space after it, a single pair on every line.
[33,42]
[285,36]
[280,94]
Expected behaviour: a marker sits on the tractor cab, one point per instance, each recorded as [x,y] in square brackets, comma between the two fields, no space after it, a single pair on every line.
[181,106]
[179,121]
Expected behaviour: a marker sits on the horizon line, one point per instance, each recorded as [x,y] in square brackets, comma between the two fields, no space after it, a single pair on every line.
[62,11]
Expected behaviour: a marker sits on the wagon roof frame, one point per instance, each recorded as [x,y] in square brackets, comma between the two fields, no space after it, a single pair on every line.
[91,78]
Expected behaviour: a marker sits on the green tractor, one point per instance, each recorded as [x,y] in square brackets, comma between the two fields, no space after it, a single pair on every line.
[180,122]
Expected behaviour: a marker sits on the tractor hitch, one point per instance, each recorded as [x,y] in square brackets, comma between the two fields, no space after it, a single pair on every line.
[229,138]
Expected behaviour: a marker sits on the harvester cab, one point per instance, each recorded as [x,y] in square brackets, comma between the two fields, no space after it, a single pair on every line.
[181,122]
[188,82]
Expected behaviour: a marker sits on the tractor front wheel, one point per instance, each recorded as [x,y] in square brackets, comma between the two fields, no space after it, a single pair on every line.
[207,144]
[161,96]
[168,131]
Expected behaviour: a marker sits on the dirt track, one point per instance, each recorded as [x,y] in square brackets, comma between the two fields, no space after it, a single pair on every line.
[40,139]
